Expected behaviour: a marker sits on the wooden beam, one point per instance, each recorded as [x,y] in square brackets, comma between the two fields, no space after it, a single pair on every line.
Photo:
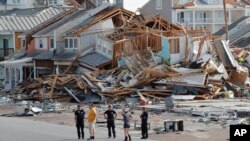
[52,87]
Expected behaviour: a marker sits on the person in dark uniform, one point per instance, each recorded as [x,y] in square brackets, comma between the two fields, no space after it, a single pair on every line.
[110,115]
[144,123]
[79,120]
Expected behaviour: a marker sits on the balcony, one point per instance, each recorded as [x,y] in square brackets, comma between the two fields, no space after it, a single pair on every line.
[5,52]
[203,20]
[185,20]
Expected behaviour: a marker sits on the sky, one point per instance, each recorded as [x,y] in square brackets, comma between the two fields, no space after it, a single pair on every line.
[132,5]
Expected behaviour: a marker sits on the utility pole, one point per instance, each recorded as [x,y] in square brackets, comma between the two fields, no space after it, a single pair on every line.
[225,18]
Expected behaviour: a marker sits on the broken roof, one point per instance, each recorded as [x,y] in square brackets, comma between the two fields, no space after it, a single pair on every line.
[65,56]
[105,14]
[244,42]
[44,55]
[231,26]
[94,59]
[61,22]
[73,21]
[24,23]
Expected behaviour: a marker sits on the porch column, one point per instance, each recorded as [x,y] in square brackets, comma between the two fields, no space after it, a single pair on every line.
[10,76]
[15,79]
[21,74]
[34,63]
[194,19]
[14,39]
[5,74]
[214,22]
[57,69]
[229,16]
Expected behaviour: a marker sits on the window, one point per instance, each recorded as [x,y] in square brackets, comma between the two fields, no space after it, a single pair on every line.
[23,43]
[104,49]
[99,47]
[110,52]
[71,43]
[174,46]
[180,17]
[66,43]
[75,43]
[52,43]
[52,2]
[16,1]
[40,43]
[158,4]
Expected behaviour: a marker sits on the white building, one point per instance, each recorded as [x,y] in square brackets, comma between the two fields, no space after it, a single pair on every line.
[17,4]
[197,14]
[24,4]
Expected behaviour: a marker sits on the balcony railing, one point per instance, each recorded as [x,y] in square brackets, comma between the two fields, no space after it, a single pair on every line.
[202,20]
[5,52]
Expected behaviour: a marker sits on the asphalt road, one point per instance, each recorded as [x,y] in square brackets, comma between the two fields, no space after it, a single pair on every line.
[18,129]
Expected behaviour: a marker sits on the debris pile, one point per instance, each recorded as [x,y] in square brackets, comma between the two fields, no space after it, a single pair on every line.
[48,87]
[146,76]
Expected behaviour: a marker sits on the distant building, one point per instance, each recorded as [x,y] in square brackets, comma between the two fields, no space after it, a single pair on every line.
[18,4]
[55,2]
[119,3]
[26,4]
[198,14]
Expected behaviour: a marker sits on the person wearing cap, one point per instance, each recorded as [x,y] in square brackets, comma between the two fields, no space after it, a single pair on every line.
[126,119]
[144,123]
[91,120]
[110,115]
[79,121]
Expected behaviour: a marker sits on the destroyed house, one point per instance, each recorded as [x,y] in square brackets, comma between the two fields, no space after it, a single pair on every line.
[12,38]
[99,38]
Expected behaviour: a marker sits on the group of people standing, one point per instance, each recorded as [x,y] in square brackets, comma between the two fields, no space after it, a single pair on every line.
[79,121]
[110,115]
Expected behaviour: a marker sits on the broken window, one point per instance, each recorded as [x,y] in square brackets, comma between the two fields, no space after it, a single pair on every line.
[174,46]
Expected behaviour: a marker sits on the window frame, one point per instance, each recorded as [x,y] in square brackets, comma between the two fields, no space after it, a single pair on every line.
[174,45]
[71,43]
[52,43]
[40,43]
[158,4]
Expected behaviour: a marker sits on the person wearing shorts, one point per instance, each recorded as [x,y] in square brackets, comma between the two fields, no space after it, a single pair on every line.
[126,119]
[91,120]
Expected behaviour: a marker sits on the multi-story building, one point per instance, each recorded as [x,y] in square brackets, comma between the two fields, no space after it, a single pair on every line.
[18,4]
[197,14]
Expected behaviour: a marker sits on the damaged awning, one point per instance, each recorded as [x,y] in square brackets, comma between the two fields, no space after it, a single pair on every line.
[15,63]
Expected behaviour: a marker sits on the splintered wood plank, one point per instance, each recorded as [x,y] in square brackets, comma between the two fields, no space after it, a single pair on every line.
[53,85]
